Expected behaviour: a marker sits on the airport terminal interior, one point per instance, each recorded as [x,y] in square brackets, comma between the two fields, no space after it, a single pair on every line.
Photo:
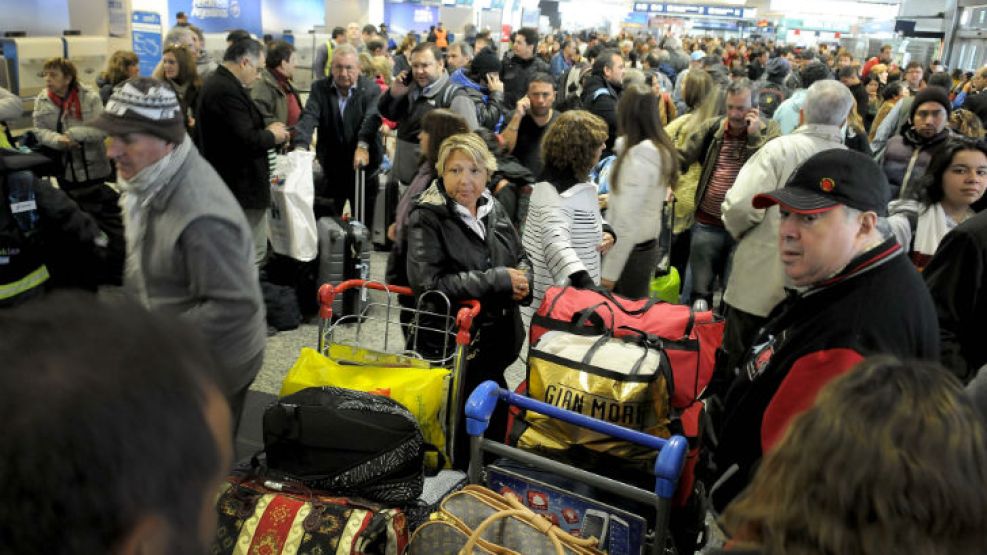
[776,52]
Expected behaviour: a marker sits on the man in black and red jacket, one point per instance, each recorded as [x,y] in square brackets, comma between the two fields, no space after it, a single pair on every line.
[852,295]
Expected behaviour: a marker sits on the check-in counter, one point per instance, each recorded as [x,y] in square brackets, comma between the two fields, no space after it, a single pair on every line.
[26,58]
[89,54]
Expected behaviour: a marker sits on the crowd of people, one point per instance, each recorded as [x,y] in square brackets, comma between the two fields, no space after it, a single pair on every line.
[827,207]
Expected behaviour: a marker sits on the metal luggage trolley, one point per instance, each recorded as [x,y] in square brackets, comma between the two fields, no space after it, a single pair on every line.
[365,340]
[620,532]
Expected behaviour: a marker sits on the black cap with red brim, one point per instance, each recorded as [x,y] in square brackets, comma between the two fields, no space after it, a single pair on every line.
[831,178]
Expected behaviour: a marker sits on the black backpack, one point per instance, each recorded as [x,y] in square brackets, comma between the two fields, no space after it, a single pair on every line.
[346,442]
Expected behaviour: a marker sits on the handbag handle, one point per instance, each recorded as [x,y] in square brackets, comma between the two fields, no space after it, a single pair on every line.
[523,514]
[589,315]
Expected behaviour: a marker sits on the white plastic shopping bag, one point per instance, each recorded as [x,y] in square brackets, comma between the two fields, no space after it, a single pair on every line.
[291,223]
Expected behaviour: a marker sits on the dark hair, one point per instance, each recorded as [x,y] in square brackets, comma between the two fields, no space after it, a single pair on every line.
[652,60]
[846,72]
[638,120]
[103,406]
[605,59]
[940,79]
[892,90]
[338,32]
[912,65]
[530,36]
[374,45]
[237,35]
[541,77]
[814,71]
[277,52]
[440,124]
[369,29]
[243,48]
[930,190]
[593,52]
[66,67]
[890,458]
[430,46]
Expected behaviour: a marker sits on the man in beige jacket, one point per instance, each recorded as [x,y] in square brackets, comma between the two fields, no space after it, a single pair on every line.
[756,283]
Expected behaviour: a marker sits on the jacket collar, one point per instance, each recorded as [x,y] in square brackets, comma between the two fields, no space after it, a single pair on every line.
[432,90]
[272,81]
[818,130]
[862,263]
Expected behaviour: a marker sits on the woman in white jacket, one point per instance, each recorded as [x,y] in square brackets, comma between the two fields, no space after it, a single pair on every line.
[646,166]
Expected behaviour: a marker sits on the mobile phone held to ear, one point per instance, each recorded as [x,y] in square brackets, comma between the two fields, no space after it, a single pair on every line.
[407,78]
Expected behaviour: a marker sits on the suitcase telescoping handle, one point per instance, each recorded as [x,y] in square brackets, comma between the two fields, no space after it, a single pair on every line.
[360,196]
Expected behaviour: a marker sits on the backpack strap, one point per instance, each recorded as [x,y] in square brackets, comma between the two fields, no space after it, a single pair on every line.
[449,93]
[600,92]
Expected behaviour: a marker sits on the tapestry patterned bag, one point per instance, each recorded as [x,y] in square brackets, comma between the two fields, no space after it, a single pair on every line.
[277,517]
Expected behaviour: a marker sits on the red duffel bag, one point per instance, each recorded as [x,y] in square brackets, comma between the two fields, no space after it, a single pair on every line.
[689,338]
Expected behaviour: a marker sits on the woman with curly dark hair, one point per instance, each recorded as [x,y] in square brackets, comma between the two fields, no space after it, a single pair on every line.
[564,233]
[891,458]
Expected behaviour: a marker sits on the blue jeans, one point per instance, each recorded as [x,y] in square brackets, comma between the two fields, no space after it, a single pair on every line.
[709,258]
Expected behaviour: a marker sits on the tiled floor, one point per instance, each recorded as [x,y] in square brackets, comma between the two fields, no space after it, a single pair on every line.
[283,348]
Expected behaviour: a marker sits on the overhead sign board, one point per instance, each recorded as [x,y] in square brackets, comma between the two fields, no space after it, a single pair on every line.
[737,12]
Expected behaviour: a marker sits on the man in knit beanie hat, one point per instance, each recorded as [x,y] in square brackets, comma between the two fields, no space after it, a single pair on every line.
[190,250]
[908,154]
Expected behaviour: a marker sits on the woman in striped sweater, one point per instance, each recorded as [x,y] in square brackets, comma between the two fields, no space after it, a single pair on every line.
[564,233]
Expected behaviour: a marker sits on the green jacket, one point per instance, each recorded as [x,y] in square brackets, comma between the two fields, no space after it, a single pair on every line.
[271,99]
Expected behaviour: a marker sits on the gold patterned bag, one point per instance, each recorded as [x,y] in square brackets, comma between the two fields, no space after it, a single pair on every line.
[624,381]
[263,516]
[477,520]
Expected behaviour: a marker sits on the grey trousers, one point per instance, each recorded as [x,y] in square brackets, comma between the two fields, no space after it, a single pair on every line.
[257,219]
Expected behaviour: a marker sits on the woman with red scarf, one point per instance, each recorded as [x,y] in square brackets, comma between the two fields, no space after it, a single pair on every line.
[274,93]
[61,113]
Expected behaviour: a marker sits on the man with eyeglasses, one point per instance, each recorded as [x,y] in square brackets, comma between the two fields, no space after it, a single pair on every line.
[233,137]
[344,109]
[413,95]
[908,154]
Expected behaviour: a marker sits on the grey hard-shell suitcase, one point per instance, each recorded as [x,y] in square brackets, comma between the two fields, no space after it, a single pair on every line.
[344,253]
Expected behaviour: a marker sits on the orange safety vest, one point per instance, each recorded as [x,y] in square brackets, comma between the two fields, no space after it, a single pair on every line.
[440,38]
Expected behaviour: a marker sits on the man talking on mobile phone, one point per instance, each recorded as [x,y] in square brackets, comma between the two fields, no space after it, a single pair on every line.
[412,95]
[722,144]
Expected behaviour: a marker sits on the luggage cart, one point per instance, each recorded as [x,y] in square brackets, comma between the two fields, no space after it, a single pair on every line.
[668,467]
[363,342]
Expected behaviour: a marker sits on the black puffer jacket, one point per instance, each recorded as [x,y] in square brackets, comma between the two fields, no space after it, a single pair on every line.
[445,255]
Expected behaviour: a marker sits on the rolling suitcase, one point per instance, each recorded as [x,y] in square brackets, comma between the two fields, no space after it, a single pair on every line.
[344,252]
[385,205]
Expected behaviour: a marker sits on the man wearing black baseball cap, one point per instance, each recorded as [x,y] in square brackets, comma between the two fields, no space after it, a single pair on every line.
[852,295]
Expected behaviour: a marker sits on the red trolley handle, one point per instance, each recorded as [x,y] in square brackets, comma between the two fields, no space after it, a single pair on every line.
[464,317]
